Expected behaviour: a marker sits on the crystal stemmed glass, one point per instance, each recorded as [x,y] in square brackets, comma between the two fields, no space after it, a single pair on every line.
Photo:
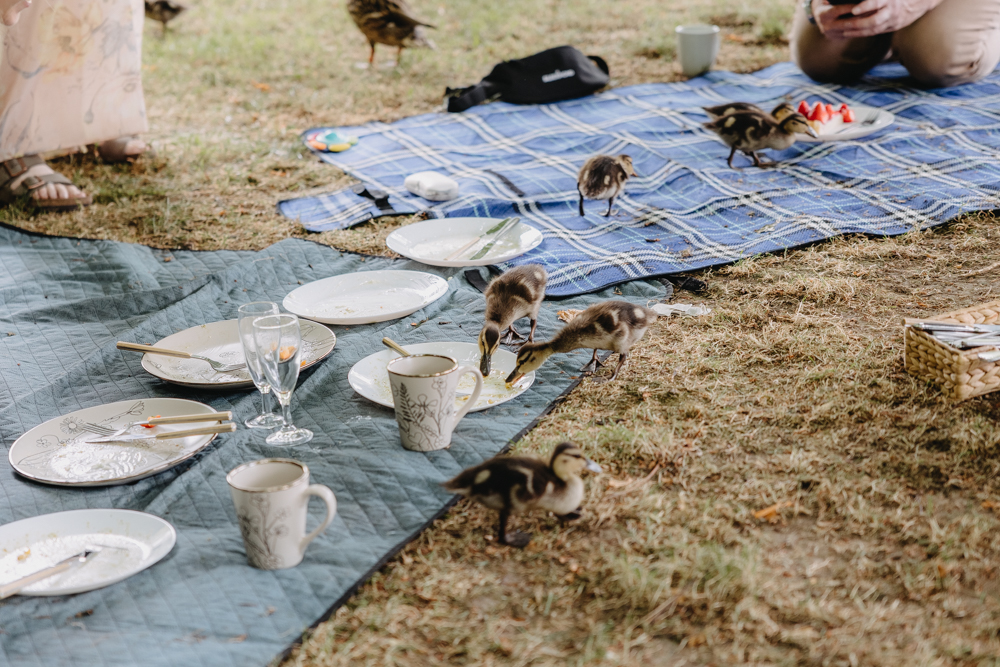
[247,314]
[279,347]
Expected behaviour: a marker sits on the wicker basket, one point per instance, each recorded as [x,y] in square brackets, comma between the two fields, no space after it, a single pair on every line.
[960,372]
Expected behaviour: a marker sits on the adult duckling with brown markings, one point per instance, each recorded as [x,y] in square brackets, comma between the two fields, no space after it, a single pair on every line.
[603,177]
[750,131]
[390,22]
[609,325]
[778,113]
[515,294]
[516,484]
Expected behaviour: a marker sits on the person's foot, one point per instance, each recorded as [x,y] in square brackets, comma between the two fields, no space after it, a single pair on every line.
[49,191]
[123,149]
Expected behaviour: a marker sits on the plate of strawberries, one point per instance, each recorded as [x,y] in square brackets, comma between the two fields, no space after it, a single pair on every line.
[842,122]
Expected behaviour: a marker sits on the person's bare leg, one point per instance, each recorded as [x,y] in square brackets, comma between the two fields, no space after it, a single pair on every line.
[834,61]
[49,190]
[956,42]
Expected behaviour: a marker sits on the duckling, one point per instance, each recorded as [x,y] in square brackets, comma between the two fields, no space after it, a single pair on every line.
[515,294]
[163,11]
[609,325]
[603,177]
[518,484]
[779,112]
[750,131]
[389,22]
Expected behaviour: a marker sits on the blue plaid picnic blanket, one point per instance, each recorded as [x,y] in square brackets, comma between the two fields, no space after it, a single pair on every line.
[687,210]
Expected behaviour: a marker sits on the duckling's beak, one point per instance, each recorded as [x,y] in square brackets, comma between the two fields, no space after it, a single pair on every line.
[593,467]
[811,132]
[484,365]
[514,376]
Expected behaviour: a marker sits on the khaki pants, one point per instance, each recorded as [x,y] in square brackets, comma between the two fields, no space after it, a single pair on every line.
[956,42]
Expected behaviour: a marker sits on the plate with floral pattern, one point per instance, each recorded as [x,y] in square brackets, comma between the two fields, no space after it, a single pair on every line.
[57,451]
[221,340]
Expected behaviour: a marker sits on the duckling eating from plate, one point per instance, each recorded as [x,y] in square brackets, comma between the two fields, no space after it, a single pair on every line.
[752,131]
[517,484]
[515,294]
[609,325]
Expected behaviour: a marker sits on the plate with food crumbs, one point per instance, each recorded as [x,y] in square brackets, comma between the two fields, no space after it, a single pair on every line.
[221,340]
[127,543]
[365,297]
[433,241]
[841,122]
[58,452]
[369,377]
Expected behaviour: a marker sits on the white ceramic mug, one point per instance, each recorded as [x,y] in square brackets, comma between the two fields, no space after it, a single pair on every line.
[272,499]
[697,47]
[423,394]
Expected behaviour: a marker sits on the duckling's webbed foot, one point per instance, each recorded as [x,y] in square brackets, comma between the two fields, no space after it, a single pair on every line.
[515,539]
[621,362]
[758,162]
[512,336]
[611,202]
[592,365]
[730,160]
[570,516]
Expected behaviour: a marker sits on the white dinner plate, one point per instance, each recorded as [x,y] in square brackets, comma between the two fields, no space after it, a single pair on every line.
[838,130]
[221,340]
[130,542]
[431,241]
[56,452]
[369,377]
[366,296]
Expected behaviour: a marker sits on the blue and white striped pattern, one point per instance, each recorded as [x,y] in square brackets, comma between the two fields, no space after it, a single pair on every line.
[687,209]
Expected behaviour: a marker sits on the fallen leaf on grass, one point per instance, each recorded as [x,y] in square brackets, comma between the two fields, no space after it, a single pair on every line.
[260,86]
[990,505]
[567,315]
[770,514]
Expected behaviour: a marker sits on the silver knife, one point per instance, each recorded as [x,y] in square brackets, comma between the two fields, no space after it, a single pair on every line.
[72,562]
[489,232]
[228,427]
[489,246]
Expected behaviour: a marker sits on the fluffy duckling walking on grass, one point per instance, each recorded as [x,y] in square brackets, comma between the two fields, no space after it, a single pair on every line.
[778,113]
[604,177]
[515,294]
[609,325]
[389,22]
[516,484]
[163,11]
[751,131]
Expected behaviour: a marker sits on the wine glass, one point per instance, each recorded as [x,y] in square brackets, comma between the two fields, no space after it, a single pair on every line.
[279,347]
[247,314]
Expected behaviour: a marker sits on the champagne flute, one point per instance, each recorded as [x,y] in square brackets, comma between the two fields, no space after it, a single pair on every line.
[279,347]
[247,314]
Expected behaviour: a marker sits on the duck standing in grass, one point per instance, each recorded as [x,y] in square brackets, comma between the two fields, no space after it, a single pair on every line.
[604,177]
[163,11]
[389,22]
[609,325]
[516,484]
[752,131]
[515,294]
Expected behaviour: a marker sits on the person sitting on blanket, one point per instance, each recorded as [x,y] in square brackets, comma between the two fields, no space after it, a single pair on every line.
[940,42]
[69,76]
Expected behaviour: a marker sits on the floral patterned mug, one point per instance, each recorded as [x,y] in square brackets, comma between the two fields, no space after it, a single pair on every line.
[272,498]
[423,393]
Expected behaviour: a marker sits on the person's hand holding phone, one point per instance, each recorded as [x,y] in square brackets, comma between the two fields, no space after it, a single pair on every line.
[869,17]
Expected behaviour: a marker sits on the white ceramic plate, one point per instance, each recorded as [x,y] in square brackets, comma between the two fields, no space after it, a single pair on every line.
[838,130]
[131,542]
[56,452]
[433,240]
[369,377]
[365,297]
[221,340]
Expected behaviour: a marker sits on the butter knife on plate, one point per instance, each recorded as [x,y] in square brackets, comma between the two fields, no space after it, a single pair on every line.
[73,561]
[228,427]
[499,229]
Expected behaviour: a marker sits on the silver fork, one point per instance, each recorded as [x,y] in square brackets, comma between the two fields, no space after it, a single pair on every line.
[217,366]
[870,119]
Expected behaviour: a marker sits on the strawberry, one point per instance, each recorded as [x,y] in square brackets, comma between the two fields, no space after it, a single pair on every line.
[803,108]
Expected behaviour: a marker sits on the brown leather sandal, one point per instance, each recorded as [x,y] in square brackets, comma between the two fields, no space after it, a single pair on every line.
[11,170]
[113,150]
